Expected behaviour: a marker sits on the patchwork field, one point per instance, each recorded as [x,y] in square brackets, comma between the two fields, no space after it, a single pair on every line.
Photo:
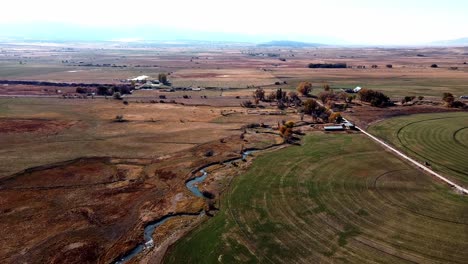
[243,66]
[337,198]
[83,175]
[234,78]
[439,139]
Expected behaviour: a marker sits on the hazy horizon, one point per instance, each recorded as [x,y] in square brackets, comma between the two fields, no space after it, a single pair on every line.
[336,22]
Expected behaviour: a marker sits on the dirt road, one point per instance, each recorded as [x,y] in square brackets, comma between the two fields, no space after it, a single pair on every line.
[421,166]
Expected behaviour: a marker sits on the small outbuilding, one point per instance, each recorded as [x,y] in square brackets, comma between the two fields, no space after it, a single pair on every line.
[357,89]
[348,125]
[334,128]
[140,78]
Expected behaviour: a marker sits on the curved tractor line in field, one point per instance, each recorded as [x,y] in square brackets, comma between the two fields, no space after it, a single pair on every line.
[424,168]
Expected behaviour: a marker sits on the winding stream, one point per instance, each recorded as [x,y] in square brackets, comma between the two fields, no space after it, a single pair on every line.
[192,186]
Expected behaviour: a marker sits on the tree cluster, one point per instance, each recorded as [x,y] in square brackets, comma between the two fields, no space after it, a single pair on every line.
[335,117]
[83,90]
[327,65]
[286,130]
[313,108]
[375,98]
[110,90]
[162,77]
[259,94]
[407,99]
[450,101]
[327,96]
[304,88]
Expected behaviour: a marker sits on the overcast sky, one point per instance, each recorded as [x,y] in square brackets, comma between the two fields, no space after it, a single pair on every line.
[353,21]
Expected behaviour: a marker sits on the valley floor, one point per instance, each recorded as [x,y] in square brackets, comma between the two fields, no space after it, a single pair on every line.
[337,198]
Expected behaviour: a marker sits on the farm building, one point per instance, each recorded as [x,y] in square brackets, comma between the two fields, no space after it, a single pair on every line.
[149,85]
[345,125]
[334,128]
[348,125]
[140,78]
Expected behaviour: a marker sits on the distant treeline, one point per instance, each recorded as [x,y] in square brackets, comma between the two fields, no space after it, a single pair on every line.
[99,88]
[113,65]
[327,65]
[100,65]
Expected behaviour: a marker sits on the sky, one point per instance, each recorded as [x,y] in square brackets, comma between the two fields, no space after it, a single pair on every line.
[392,22]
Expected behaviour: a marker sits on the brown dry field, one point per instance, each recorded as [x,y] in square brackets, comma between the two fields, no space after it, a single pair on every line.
[242,66]
[64,129]
[78,187]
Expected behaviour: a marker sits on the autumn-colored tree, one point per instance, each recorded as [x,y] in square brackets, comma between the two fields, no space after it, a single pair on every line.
[335,117]
[448,98]
[271,96]
[350,98]
[282,129]
[294,99]
[304,88]
[292,95]
[289,124]
[286,130]
[451,102]
[327,96]
[326,87]
[309,106]
[259,94]
[342,96]
[162,77]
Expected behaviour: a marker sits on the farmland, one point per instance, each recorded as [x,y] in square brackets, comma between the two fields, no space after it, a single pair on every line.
[68,165]
[438,139]
[243,66]
[85,173]
[338,198]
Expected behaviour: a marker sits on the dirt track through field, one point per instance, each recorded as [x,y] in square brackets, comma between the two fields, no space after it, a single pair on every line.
[421,166]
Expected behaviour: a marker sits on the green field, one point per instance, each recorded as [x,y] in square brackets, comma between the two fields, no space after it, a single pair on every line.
[440,139]
[337,198]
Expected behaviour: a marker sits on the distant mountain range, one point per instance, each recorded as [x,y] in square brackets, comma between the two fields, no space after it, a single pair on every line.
[291,44]
[67,32]
[56,32]
[453,42]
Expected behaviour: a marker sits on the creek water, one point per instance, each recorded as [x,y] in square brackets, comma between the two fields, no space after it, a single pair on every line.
[192,186]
